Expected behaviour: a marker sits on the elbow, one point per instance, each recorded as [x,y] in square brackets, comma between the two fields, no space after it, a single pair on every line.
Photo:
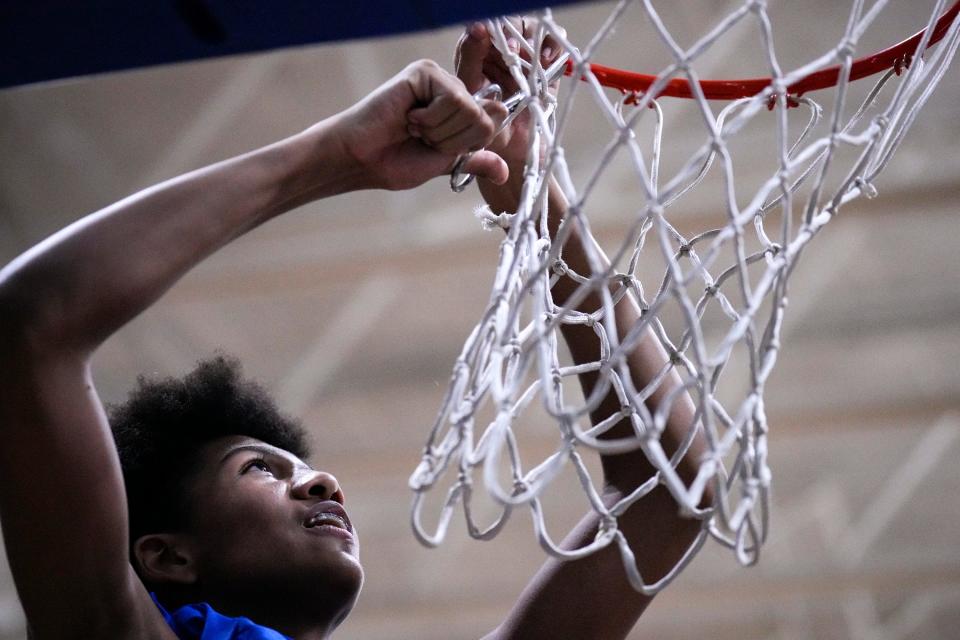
[28,320]
[15,325]
[12,309]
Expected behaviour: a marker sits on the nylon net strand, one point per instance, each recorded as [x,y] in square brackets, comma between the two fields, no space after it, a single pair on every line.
[740,268]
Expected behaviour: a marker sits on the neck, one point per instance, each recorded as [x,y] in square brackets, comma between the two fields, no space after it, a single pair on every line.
[315,620]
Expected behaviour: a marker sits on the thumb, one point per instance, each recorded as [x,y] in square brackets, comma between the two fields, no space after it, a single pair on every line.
[488,165]
[473,48]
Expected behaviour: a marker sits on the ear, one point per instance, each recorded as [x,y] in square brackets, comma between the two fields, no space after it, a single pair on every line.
[165,558]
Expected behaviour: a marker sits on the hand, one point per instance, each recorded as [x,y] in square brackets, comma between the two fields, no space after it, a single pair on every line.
[479,64]
[416,125]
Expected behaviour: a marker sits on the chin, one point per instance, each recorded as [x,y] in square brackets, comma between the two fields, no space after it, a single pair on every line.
[354,577]
[341,589]
[342,579]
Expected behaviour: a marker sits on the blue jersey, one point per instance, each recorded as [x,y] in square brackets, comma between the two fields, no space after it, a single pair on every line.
[201,622]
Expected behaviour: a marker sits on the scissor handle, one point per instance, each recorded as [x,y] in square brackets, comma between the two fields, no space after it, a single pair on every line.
[458,179]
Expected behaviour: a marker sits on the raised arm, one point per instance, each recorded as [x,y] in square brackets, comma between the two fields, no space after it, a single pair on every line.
[592,598]
[62,503]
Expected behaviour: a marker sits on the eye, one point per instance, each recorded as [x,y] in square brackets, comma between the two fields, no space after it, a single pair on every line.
[256,463]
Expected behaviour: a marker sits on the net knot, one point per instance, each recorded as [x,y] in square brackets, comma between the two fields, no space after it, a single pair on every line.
[559,267]
[460,365]
[902,62]
[488,219]
[865,187]
[845,49]
[464,410]
[684,250]
[607,523]
[519,487]
[634,97]
[765,476]
[711,289]
[792,101]
[757,6]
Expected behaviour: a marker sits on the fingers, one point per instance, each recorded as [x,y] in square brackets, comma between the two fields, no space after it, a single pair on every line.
[521,33]
[550,50]
[496,111]
[473,48]
[478,62]
[454,122]
[487,164]
[415,126]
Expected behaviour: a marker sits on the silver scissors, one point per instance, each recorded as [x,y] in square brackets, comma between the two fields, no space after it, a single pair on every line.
[515,105]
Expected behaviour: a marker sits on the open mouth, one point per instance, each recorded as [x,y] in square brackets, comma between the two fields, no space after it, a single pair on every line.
[328,514]
[331,519]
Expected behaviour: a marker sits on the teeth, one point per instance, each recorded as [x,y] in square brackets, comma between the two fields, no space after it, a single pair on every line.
[327,518]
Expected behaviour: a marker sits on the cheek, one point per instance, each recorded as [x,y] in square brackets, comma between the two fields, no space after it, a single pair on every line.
[243,509]
[244,538]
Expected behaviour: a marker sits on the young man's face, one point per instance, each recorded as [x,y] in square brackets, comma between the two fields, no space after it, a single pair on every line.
[269,526]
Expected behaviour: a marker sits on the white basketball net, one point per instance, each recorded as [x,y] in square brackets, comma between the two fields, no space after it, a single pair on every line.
[510,359]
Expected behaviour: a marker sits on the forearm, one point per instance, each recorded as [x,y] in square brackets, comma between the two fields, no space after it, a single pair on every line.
[656,532]
[592,597]
[83,283]
[646,360]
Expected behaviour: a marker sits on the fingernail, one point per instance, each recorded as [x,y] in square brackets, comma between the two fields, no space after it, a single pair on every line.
[414,131]
[548,52]
[512,44]
[477,30]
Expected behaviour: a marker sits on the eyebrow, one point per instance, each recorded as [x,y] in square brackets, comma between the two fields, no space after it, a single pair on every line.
[266,450]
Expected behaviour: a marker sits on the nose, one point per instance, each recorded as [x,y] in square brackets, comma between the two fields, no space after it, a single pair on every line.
[317,485]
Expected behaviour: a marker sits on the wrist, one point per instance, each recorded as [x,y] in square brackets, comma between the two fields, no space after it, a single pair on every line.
[318,163]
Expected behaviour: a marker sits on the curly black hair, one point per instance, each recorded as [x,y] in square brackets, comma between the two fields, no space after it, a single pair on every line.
[163,424]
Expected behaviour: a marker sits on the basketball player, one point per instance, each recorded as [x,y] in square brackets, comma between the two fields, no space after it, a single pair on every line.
[208,522]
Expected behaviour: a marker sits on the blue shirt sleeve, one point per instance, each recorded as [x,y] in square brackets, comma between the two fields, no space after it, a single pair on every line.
[202,622]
